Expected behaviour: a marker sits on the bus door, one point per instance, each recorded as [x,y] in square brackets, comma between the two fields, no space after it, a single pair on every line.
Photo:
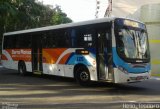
[103,51]
[36,54]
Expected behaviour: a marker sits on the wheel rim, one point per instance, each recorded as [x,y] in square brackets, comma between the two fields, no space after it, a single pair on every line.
[84,76]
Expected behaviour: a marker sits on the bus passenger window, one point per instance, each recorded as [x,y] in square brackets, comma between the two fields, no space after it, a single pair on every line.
[22,41]
[61,39]
[48,40]
[6,42]
[86,37]
[10,42]
[73,38]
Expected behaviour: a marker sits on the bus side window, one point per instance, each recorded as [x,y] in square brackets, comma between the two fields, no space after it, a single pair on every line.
[86,36]
[18,41]
[26,41]
[62,38]
[51,40]
[73,38]
[48,39]
[23,41]
[44,41]
[12,41]
[5,43]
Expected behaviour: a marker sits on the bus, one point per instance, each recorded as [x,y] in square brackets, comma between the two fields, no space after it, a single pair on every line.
[108,49]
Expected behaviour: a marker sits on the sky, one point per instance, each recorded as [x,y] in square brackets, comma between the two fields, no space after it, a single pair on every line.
[77,10]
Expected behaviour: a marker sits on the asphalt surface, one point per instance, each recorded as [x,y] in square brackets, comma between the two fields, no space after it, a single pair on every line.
[48,92]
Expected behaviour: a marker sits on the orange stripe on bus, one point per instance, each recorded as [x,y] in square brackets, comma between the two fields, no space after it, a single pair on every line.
[4,57]
[52,55]
[64,59]
[47,58]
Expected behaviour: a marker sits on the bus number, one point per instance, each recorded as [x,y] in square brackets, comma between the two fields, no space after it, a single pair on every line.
[79,59]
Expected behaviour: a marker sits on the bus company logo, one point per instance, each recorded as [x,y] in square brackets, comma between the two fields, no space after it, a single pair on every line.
[14,52]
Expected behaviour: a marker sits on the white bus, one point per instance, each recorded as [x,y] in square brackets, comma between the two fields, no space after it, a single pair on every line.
[109,49]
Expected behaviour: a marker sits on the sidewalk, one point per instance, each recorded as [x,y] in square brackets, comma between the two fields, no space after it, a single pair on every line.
[155,77]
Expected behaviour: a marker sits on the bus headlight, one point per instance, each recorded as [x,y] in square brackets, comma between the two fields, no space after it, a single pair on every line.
[122,69]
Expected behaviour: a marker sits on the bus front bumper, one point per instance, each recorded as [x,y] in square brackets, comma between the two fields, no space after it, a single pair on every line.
[121,77]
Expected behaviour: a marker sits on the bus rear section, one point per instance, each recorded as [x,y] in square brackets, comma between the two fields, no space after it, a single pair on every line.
[15,50]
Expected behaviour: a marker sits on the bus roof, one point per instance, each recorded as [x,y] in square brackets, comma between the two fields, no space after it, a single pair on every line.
[101,20]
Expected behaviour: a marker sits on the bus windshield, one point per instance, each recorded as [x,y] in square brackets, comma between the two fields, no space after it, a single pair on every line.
[132,44]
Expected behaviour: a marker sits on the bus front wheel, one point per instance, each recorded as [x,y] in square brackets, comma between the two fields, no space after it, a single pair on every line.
[22,68]
[82,76]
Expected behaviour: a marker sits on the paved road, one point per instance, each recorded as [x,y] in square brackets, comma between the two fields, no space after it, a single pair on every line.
[54,92]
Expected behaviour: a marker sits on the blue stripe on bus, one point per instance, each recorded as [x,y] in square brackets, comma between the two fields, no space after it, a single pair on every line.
[72,54]
[76,59]
[128,66]
[72,60]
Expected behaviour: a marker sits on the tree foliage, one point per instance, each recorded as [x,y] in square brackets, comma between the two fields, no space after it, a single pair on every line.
[59,17]
[25,14]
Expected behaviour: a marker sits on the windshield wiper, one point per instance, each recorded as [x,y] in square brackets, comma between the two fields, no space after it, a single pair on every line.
[135,40]
[131,35]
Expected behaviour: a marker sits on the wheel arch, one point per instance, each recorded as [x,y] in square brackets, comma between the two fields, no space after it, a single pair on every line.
[22,67]
[20,61]
[78,66]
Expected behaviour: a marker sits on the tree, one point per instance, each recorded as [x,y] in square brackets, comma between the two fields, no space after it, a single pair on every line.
[59,17]
[24,14]
[7,11]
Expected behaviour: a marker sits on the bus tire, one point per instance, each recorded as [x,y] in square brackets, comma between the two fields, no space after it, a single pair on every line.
[82,76]
[22,68]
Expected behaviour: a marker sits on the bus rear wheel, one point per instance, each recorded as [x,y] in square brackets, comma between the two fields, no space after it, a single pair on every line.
[82,76]
[22,68]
